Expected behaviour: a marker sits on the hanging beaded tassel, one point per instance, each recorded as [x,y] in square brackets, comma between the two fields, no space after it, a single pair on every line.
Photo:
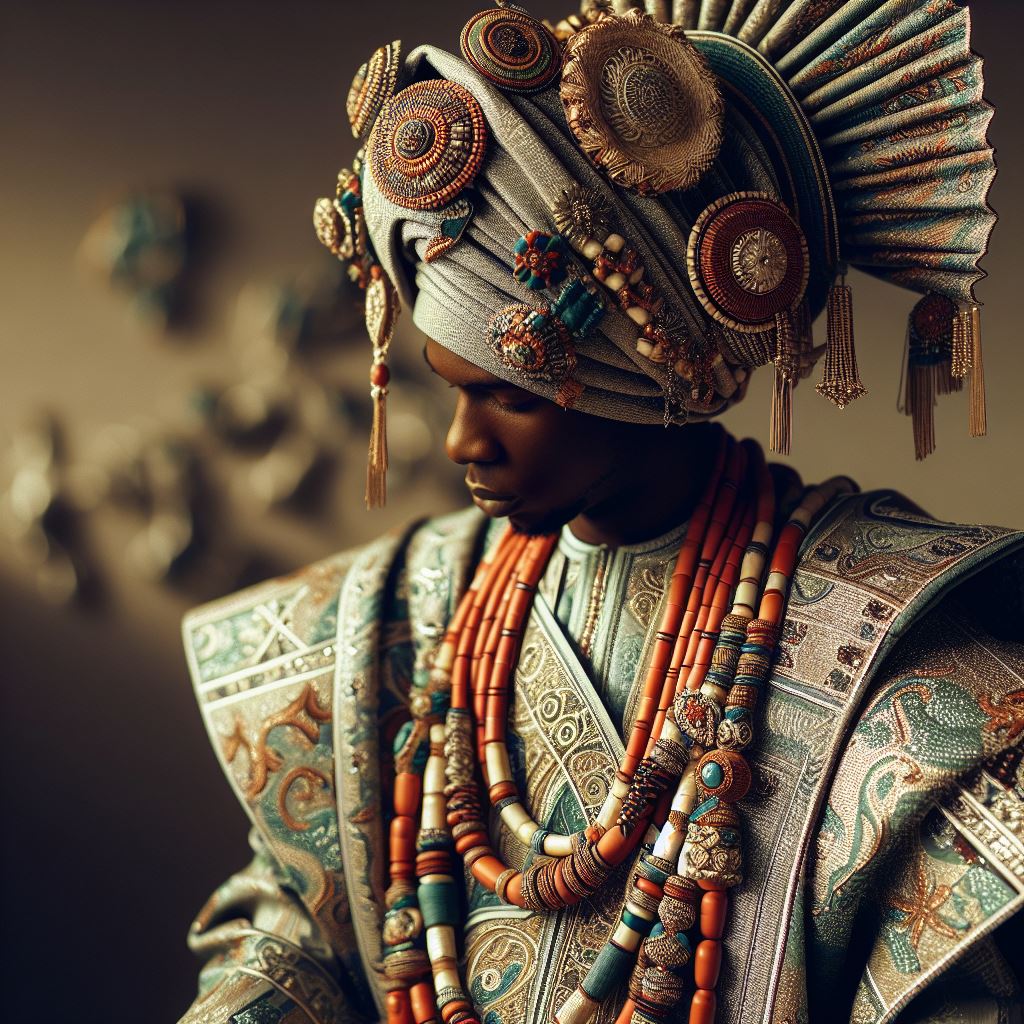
[781,428]
[377,460]
[979,412]
[962,358]
[929,365]
[381,312]
[840,382]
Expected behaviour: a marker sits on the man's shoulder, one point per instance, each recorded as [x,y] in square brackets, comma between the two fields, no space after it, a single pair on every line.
[295,615]
[868,569]
[883,528]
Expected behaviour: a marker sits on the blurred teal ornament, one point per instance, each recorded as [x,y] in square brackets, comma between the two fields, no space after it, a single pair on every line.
[141,246]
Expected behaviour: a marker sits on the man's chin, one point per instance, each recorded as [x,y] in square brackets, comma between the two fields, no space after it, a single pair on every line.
[539,524]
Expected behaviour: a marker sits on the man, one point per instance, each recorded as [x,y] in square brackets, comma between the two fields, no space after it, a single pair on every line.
[694,803]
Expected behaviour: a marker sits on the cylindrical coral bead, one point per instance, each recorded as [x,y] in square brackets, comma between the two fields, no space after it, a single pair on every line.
[703,1006]
[713,909]
[399,1010]
[707,963]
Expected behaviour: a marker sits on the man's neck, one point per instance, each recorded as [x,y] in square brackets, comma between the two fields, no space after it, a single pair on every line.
[655,490]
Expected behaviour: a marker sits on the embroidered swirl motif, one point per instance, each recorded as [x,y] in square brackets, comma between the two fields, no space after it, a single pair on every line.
[759,261]
[309,787]
[637,92]
[304,714]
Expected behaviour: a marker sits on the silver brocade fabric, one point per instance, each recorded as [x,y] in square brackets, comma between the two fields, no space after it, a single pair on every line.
[884,835]
[608,602]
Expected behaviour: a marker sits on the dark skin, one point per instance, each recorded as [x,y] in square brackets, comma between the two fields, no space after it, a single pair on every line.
[543,466]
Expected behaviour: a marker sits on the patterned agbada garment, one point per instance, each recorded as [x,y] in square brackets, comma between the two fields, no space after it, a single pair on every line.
[886,823]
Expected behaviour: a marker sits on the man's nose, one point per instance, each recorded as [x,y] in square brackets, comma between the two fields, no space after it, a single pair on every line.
[468,438]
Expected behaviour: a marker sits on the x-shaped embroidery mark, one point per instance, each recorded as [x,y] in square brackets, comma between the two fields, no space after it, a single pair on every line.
[279,618]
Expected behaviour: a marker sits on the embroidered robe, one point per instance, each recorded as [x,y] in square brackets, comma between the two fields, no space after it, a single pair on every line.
[884,833]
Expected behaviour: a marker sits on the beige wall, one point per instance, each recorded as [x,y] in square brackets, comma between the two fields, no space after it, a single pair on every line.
[124,824]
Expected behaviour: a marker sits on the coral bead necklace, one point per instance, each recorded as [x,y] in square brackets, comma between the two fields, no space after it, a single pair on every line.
[681,773]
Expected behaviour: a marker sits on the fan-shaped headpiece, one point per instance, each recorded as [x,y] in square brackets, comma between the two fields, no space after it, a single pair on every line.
[641,204]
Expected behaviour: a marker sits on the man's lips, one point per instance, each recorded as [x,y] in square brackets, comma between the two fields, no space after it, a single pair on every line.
[491,502]
[487,495]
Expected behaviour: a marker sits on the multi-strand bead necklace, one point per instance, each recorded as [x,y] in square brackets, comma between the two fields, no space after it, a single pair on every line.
[678,782]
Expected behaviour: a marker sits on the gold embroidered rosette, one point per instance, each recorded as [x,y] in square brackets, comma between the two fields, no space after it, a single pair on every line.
[642,103]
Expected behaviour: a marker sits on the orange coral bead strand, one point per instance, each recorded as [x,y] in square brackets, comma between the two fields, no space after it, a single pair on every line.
[686,648]
[477,601]
[719,606]
[484,668]
[699,607]
[680,587]
[715,901]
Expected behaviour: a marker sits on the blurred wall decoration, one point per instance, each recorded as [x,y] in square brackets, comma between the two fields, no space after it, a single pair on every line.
[151,461]
[142,244]
[193,489]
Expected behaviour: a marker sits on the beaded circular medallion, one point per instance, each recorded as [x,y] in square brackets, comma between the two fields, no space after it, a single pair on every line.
[513,50]
[642,103]
[536,346]
[427,145]
[747,260]
[373,85]
[931,328]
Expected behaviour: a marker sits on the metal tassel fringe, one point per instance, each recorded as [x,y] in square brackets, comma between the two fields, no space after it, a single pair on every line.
[979,411]
[963,354]
[381,309]
[937,347]
[780,431]
[377,460]
[922,381]
[840,381]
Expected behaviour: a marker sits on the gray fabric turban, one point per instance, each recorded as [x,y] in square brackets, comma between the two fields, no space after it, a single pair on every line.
[532,159]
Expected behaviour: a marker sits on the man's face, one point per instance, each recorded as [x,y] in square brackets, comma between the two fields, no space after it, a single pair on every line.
[526,457]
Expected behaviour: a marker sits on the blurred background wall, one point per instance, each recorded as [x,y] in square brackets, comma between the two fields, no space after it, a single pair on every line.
[148,465]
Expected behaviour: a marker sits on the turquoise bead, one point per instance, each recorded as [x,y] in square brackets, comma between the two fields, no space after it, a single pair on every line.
[634,921]
[438,903]
[401,737]
[711,775]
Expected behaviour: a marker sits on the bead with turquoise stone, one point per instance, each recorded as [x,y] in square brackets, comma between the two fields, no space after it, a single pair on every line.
[711,775]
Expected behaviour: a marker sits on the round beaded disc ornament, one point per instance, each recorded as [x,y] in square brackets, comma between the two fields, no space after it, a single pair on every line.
[373,85]
[536,345]
[330,229]
[931,328]
[747,260]
[513,50]
[427,145]
[642,103]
